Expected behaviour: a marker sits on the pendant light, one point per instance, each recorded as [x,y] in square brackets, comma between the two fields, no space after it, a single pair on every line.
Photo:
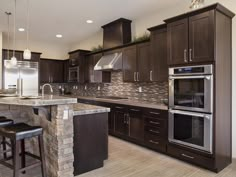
[13,59]
[27,52]
[8,38]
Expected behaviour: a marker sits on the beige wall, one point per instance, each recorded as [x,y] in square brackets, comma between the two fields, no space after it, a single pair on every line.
[139,26]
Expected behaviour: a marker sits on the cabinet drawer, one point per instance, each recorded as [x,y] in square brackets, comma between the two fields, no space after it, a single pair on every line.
[155,142]
[191,157]
[162,123]
[158,132]
[156,113]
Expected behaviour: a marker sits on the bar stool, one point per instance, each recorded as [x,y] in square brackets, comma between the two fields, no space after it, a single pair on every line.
[4,122]
[17,133]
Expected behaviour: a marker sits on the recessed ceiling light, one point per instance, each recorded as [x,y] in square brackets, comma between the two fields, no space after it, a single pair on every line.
[89,21]
[59,36]
[21,29]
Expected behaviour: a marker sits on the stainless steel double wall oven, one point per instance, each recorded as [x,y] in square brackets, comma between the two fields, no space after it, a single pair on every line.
[191,106]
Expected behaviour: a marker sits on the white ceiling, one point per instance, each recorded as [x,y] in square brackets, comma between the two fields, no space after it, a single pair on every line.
[68,17]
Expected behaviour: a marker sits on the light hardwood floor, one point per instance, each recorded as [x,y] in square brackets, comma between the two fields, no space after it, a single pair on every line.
[129,160]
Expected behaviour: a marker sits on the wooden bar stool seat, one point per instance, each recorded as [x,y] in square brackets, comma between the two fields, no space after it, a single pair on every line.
[17,133]
[4,122]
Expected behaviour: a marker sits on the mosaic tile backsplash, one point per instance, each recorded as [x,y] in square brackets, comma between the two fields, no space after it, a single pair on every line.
[151,92]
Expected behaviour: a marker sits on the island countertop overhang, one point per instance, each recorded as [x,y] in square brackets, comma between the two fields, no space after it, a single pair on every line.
[46,100]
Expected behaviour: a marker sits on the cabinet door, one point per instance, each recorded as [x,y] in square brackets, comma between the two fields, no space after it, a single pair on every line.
[158,62]
[177,42]
[56,70]
[136,125]
[143,61]
[201,37]
[120,117]
[66,71]
[129,64]
[73,59]
[44,71]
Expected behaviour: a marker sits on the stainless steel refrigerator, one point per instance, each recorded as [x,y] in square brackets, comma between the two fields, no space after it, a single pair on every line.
[24,76]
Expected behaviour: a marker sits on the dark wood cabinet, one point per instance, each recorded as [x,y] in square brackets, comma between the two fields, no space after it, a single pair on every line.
[116,33]
[35,56]
[135,122]
[191,39]
[90,142]
[158,61]
[201,37]
[129,63]
[143,61]
[177,42]
[51,71]
[93,76]
[121,122]
[136,60]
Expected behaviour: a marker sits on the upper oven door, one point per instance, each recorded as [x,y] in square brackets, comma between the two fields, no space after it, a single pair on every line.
[191,129]
[193,93]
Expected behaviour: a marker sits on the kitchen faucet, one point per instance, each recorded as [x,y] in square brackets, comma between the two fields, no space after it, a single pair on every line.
[43,89]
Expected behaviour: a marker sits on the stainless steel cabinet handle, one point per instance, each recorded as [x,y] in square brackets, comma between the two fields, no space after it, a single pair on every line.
[154,131]
[152,122]
[135,76]
[136,110]
[190,55]
[128,120]
[119,107]
[151,79]
[190,157]
[125,119]
[156,113]
[185,56]
[154,142]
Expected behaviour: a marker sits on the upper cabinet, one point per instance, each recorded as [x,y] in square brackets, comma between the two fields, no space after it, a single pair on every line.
[136,60]
[35,57]
[51,71]
[158,61]
[77,59]
[191,39]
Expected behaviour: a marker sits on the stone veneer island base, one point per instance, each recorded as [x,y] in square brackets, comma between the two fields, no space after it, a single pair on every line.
[55,114]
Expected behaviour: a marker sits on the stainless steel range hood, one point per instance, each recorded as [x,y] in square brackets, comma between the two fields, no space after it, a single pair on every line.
[109,62]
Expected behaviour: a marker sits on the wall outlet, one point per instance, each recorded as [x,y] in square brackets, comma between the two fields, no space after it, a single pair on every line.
[66,114]
[99,88]
[140,90]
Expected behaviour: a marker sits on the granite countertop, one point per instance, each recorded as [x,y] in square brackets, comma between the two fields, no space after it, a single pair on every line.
[137,103]
[47,100]
[83,109]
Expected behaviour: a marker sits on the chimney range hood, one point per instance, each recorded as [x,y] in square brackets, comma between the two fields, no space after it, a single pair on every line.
[109,62]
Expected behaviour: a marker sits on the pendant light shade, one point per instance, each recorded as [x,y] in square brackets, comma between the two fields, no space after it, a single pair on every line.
[27,54]
[13,61]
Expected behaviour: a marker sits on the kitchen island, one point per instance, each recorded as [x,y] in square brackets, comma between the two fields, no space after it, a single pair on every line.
[55,114]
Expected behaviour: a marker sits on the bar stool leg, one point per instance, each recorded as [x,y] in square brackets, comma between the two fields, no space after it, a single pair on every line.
[42,155]
[23,155]
[16,159]
[4,147]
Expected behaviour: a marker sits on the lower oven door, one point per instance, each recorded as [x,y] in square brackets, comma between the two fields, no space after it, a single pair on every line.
[192,93]
[191,129]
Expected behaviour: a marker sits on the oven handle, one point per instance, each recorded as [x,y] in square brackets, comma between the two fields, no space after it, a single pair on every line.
[190,77]
[190,113]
